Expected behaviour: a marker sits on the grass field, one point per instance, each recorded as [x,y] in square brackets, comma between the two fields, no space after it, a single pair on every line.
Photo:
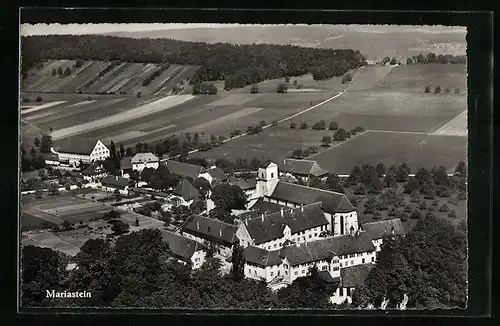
[417,150]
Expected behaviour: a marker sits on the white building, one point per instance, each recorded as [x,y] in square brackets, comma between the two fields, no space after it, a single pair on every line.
[185,194]
[140,161]
[75,149]
[185,250]
[94,172]
[214,174]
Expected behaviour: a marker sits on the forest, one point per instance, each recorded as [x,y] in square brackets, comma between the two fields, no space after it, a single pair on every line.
[237,65]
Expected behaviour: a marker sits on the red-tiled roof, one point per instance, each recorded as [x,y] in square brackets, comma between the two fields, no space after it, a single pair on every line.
[332,202]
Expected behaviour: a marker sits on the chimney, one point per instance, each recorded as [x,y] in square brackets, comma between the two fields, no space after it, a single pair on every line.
[198,225]
[220,233]
[262,217]
[281,211]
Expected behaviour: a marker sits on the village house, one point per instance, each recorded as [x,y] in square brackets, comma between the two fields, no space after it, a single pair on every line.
[126,166]
[301,169]
[272,231]
[281,267]
[184,170]
[336,207]
[214,174]
[140,161]
[184,194]
[94,172]
[248,186]
[208,231]
[379,230]
[185,250]
[350,278]
[77,149]
[112,183]
[50,159]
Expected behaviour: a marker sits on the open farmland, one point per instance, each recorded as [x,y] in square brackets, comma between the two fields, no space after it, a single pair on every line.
[417,150]
[57,209]
[125,78]
[416,77]
[369,76]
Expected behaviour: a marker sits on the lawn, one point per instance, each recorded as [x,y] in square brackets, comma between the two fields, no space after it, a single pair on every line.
[417,150]
[368,77]
[403,111]
[416,77]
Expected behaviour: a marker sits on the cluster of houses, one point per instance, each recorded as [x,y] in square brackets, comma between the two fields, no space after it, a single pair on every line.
[286,229]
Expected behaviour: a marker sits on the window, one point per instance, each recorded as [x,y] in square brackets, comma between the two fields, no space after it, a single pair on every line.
[363,260]
[286,272]
[324,268]
[303,271]
[348,292]
[249,271]
[341,291]
[272,273]
[340,264]
[315,234]
[197,260]
[373,259]
[279,273]
[352,262]
[255,272]
[296,273]
[275,245]
[346,263]
[336,268]
[310,236]
[272,175]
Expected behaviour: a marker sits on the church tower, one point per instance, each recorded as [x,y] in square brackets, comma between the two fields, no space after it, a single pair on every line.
[267,178]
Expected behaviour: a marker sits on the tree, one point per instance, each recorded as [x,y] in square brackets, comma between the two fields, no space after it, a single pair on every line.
[38,193]
[46,144]
[54,71]
[380,168]
[440,176]
[452,213]
[238,263]
[59,71]
[139,94]
[320,125]
[53,189]
[262,123]
[416,215]
[444,208]
[293,125]
[447,91]
[297,154]
[402,173]
[461,169]
[33,151]
[340,135]
[295,82]
[120,227]
[393,61]
[409,61]
[457,90]
[282,88]
[254,89]
[355,175]
[67,71]
[427,89]
[304,125]
[326,141]
[333,125]
[437,90]
[423,178]
[228,197]
[36,142]
[136,222]
[67,186]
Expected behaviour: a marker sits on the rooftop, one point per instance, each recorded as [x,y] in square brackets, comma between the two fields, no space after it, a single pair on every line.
[144,158]
[180,246]
[261,257]
[126,163]
[75,145]
[94,169]
[183,169]
[354,276]
[217,173]
[380,229]
[186,190]
[211,229]
[244,184]
[332,202]
[302,167]
[114,182]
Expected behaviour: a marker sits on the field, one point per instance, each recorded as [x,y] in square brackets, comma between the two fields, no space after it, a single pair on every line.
[57,209]
[124,78]
[417,150]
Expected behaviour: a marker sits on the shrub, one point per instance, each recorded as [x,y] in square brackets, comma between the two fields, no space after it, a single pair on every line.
[303,125]
[254,89]
[427,89]
[447,91]
[334,125]
[320,125]
[287,79]
[444,208]
[282,88]
[326,141]
[262,123]
[360,190]
[38,99]
[293,125]
[437,90]
[340,135]
[452,213]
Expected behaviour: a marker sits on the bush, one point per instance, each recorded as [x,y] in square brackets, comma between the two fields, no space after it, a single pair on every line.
[340,135]
[347,78]
[303,125]
[295,82]
[139,94]
[452,213]
[274,123]
[407,208]
[430,194]
[437,90]
[457,90]
[334,125]
[427,89]
[287,79]
[447,91]
[282,88]
[320,125]
[254,89]
[326,141]
[435,203]
[444,208]
[403,217]
[293,125]
[377,215]
[416,215]
[262,123]
[38,99]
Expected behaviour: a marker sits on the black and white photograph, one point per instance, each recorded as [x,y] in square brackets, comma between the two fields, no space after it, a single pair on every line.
[243,166]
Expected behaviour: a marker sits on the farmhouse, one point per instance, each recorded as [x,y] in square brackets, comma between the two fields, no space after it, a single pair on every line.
[279,268]
[336,207]
[185,250]
[183,169]
[379,230]
[350,278]
[113,183]
[94,172]
[76,149]
[214,173]
[126,166]
[50,158]
[272,231]
[207,231]
[303,169]
[185,193]
[140,161]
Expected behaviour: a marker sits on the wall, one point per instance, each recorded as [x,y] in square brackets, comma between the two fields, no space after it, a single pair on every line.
[141,166]
[340,295]
[330,266]
[243,235]
[74,159]
[111,189]
[198,258]
[357,259]
[100,151]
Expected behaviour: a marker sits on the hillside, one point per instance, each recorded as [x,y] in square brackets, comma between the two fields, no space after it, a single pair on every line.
[374,42]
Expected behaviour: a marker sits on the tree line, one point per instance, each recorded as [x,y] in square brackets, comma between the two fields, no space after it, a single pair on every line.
[433,58]
[237,65]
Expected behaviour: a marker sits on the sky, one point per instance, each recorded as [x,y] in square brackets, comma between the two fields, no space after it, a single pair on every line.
[78,29]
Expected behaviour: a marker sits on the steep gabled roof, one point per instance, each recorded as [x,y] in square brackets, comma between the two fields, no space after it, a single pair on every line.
[114,182]
[186,190]
[327,248]
[261,257]
[211,230]
[301,167]
[379,229]
[265,164]
[354,276]
[183,169]
[144,158]
[297,219]
[217,173]
[126,163]
[260,207]
[75,145]
[94,169]
[180,246]
[332,202]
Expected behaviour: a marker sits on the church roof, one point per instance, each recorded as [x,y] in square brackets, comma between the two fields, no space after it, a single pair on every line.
[265,164]
[332,202]
[297,219]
